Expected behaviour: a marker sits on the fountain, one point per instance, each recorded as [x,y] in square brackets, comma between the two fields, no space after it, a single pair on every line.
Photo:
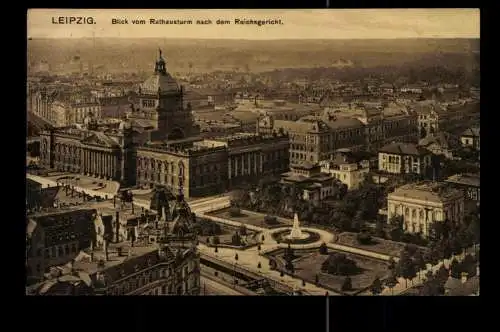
[296,233]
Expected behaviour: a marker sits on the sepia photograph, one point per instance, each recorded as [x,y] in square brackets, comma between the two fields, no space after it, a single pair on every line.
[264,152]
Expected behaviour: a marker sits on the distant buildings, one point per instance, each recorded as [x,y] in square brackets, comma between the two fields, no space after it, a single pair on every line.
[470,184]
[159,144]
[441,144]
[308,178]
[422,204]
[132,256]
[404,158]
[348,167]
[315,138]
[470,138]
[54,238]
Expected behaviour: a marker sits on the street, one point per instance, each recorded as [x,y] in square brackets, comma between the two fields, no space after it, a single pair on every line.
[211,287]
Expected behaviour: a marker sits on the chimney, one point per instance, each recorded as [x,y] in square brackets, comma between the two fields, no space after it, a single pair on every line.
[117,227]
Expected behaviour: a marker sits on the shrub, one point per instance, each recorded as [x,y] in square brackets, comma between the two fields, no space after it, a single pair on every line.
[339,264]
[364,238]
[243,230]
[215,240]
[323,249]
[270,220]
[236,239]
[347,284]
[234,212]
[259,265]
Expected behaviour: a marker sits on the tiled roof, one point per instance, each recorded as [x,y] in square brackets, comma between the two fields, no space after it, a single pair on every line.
[474,132]
[467,179]
[162,82]
[404,149]
[427,191]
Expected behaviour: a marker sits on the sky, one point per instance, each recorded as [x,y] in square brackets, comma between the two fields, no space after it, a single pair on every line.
[296,24]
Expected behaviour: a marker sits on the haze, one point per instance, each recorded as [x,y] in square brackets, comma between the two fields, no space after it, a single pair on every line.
[298,24]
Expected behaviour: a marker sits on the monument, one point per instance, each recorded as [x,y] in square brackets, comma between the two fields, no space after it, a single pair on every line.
[296,232]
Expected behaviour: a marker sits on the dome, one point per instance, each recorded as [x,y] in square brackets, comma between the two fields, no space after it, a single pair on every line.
[159,83]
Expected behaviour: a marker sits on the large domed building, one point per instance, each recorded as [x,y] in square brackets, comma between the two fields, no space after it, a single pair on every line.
[159,113]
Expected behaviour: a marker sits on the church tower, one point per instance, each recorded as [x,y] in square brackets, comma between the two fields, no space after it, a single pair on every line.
[161,105]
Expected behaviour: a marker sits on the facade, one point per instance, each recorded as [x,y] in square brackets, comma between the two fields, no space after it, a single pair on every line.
[316,138]
[470,138]
[308,177]
[104,152]
[347,167]
[454,118]
[156,257]
[253,156]
[469,183]
[440,144]
[54,238]
[425,203]
[158,145]
[402,158]
[160,112]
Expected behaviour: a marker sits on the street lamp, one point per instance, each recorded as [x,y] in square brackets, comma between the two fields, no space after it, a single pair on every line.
[234,268]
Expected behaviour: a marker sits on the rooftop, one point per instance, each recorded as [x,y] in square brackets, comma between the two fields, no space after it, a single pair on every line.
[435,192]
[474,132]
[466,179]
[404,149]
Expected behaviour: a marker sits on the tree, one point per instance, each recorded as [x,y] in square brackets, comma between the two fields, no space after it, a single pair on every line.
[234,211]
[376,287]
[323,249]
[442,274]
[419,262]
[392,264]
[236,239]
[215,240]
[455,269]
[243,230]
[289,266]
[391,282]
[339,264]
[406,268]
[347,284]
[236,257]
[364,238]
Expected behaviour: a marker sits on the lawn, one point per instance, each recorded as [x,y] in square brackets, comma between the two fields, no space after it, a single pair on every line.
[379,245]
[309,265]
[250,218]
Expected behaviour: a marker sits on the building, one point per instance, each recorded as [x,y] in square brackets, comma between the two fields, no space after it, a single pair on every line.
[470,185]
[440,144]
[404,158]
[317,137]
[308,178]
[55,237]
[158,144]
[253,156]
[453,118]
[160,113]
[470,138]
[156,258]
[348,167]
[100,151]
[422,204]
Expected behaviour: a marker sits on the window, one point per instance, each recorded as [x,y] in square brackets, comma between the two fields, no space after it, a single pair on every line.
[38,268]
[66,250]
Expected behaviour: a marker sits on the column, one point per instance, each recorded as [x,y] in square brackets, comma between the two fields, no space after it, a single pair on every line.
[261,165]
[255,162]
[242,157]
[249,163]
[235,166]
[229,168]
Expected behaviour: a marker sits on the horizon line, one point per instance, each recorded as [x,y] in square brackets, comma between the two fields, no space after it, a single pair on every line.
[268,39]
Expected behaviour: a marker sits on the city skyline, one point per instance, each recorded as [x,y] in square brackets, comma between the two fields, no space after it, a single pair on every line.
[297,24]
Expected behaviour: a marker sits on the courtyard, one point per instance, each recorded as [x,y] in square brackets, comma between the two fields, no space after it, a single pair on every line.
[307,266]
[86,182]
[377,245]
[250,218]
